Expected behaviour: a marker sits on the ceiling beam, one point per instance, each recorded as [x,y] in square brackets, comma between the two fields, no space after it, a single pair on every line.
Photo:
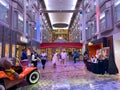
[59,11]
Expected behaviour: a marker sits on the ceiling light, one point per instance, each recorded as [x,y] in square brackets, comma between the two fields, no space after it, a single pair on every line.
[60,17]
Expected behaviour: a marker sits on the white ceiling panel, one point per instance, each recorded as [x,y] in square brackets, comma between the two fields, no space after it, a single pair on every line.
[60,5]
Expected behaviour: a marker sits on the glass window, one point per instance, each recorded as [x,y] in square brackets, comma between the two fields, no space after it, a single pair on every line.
[102,24]
[13,50]
[7,50]
[92,27]
[102,21]
[27,27]
[0,49]
[29,30]
[15,17]
[20,22]
[87,33]
[4,9]
[32,31]
[117,10]
[108,19]
[80,35]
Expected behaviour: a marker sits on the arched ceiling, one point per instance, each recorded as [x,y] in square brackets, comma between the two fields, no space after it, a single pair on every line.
[61,12]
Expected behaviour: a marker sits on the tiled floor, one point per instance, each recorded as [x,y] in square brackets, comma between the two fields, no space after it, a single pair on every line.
[72,77]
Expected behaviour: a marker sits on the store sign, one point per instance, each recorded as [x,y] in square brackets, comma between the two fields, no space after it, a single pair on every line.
[23,39]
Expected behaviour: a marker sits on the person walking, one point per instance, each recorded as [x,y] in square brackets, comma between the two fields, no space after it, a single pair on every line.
[85,56]
[63,57]
[55,59]
[75,56]
[43,59]
[35,57]
[24,55]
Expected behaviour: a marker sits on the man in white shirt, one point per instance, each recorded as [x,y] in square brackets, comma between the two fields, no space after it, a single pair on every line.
[63,57]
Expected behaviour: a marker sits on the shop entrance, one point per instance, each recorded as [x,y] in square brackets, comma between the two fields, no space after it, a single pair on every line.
[92,49]
[19,49]
[117,53]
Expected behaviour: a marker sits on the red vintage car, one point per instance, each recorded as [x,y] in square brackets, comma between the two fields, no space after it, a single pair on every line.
[30,74]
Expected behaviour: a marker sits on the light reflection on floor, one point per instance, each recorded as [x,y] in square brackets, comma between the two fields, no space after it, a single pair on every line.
[72,77]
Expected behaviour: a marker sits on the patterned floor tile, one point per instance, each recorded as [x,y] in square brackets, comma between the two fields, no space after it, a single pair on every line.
[72,77]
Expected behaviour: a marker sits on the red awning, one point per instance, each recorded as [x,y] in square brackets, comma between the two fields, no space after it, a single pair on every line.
[56,45]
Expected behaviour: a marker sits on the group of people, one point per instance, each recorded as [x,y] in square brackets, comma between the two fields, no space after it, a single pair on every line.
[59,57]
[63,56]
[35,57]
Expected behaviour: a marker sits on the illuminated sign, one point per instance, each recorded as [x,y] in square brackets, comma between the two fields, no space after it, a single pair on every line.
[23,39]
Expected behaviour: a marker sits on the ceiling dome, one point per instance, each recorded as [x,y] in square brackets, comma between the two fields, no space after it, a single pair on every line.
[60,25]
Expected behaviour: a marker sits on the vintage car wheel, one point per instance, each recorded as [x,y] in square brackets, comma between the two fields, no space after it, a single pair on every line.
[2,87]
[33,77]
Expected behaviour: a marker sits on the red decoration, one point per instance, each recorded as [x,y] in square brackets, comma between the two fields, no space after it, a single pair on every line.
[66,45]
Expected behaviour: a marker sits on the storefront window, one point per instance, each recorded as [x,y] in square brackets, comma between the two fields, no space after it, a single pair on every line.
[20,22]
[0,49]
[117,9]
[15,19]
[4,9]
[108,19]
[13,50]
[7,50]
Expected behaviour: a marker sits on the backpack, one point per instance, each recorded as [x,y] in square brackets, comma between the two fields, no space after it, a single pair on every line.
[36,55]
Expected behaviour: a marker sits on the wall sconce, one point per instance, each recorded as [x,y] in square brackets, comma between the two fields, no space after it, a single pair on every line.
[90,44]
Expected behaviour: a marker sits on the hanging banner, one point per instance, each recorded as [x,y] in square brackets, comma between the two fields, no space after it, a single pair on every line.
[97,16]
[38,29]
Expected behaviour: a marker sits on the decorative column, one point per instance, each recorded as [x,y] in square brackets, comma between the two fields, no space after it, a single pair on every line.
[98,19]
[25,32]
